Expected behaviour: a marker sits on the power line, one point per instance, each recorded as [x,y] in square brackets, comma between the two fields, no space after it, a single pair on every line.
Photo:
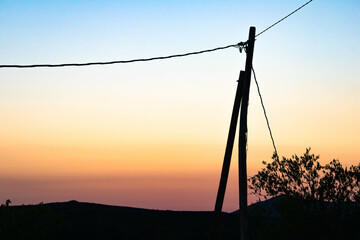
[283,18]
[263,107]
[239,45]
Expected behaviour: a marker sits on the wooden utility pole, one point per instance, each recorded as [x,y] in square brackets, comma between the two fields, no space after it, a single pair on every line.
[243,138]
[228,152]
[241,97]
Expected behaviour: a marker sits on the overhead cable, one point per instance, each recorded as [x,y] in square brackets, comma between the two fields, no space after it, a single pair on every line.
[239,45]
[263,107]
[283,18]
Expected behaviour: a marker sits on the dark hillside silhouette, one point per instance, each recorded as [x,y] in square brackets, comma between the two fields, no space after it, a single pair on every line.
[76,220]
[277,218]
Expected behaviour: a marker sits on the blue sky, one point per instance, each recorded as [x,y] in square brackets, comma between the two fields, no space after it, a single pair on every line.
[312,51]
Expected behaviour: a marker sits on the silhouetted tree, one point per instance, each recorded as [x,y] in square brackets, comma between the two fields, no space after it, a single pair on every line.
[7,203]
[305,178]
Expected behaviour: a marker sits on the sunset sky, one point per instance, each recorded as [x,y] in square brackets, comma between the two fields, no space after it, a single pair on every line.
[153,134]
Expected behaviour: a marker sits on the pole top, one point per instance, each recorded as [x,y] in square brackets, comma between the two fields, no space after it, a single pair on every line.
[252,31]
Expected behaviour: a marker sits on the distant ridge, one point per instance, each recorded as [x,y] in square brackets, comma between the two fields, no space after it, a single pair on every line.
[277,218]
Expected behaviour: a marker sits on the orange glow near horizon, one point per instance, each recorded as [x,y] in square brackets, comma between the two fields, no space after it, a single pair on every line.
[161,176]
[151,157]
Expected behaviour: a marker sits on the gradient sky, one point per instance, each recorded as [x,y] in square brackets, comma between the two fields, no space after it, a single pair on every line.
[153,134]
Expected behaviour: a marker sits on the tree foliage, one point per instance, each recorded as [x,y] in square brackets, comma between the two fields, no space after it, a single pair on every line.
[305,178]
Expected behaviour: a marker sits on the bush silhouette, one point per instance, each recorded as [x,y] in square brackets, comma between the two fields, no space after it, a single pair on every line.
[315,200]
[305,178]
[7,203]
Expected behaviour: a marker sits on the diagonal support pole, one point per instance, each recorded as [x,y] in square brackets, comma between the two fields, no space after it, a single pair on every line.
[228,152]
[241,97]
